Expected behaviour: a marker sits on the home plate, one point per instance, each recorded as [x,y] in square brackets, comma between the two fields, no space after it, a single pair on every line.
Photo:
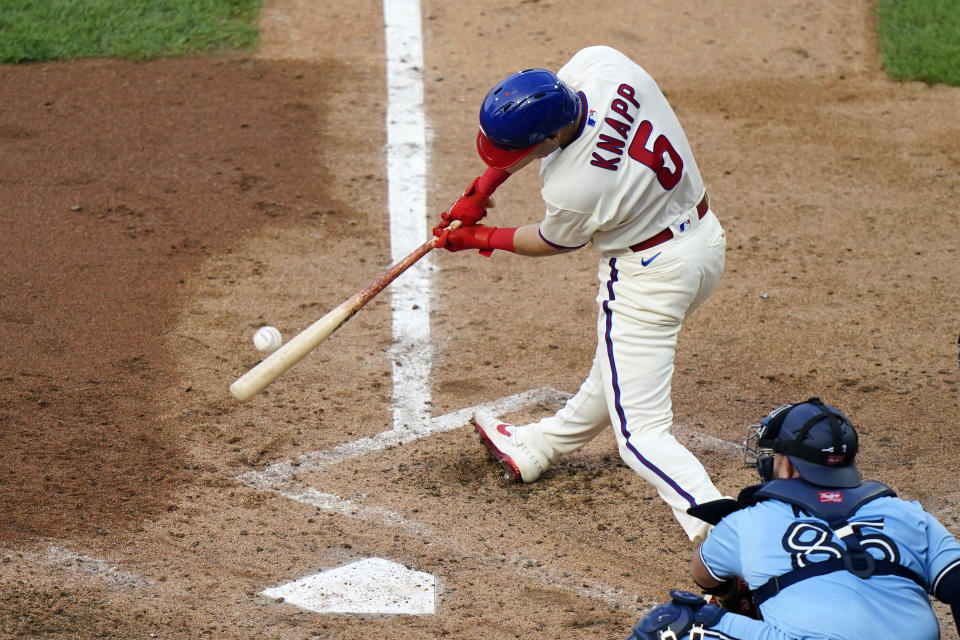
[372,585]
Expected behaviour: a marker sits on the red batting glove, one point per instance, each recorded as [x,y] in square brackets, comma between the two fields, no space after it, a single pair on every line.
[481,237]
[471,207]
[469,216]
[473,237]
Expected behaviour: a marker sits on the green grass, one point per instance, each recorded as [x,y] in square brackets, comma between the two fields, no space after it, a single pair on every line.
[37,30]
[920,39]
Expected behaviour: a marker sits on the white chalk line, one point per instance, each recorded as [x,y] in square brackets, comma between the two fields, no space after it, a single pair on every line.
[80,564]
[317,460]
[707,441]
[406,165]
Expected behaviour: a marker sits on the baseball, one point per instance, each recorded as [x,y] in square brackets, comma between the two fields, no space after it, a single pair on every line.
[267,339]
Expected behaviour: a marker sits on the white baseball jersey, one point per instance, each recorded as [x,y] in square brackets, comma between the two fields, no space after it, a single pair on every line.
[630,172]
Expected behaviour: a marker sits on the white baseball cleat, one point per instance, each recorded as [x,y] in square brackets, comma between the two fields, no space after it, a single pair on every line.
[523,462]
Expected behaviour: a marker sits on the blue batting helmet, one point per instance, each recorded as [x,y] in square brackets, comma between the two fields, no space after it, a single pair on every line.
[520,112]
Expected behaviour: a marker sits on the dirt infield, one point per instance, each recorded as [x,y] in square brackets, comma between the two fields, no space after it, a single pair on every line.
[155,214]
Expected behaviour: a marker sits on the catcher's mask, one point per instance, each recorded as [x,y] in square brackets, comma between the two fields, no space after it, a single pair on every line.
[818,440]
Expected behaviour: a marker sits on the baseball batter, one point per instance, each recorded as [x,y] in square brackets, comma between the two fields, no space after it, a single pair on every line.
[617,172]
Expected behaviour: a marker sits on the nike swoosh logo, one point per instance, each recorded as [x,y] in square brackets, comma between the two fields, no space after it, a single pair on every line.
[502,428]
[646,262]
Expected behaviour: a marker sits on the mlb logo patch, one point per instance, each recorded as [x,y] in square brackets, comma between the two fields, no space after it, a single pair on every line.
[830,496]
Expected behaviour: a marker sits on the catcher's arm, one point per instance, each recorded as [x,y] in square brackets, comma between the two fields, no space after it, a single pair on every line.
[733,593]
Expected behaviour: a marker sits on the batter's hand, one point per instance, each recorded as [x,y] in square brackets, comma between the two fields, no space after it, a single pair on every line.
[473,237]
[470,208]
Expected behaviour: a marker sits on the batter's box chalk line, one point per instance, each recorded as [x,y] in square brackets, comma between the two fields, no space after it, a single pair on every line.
[318,460]
[77,563]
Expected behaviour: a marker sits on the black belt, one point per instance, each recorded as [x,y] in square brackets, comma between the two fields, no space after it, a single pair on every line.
[667,234]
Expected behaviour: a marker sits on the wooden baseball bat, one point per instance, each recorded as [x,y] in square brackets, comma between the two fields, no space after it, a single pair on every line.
[270,368]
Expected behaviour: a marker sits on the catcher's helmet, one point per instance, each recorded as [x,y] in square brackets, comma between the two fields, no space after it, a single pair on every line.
[520,112]
[818,440]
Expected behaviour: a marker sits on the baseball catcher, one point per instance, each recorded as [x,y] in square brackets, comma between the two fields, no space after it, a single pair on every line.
[824,554]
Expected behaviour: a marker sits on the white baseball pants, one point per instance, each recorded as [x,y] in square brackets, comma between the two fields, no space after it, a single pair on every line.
[643,300]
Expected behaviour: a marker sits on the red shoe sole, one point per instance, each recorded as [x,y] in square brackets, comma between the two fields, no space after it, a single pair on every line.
[505,461]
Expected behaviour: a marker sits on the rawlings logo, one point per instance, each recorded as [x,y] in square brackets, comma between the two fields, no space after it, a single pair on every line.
[830,496]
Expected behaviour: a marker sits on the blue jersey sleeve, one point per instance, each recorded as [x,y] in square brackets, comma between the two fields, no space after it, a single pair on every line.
[925,545]
[720,552]
[943,556]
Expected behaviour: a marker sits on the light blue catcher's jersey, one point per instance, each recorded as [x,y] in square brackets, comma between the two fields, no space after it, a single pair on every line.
[768,540]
